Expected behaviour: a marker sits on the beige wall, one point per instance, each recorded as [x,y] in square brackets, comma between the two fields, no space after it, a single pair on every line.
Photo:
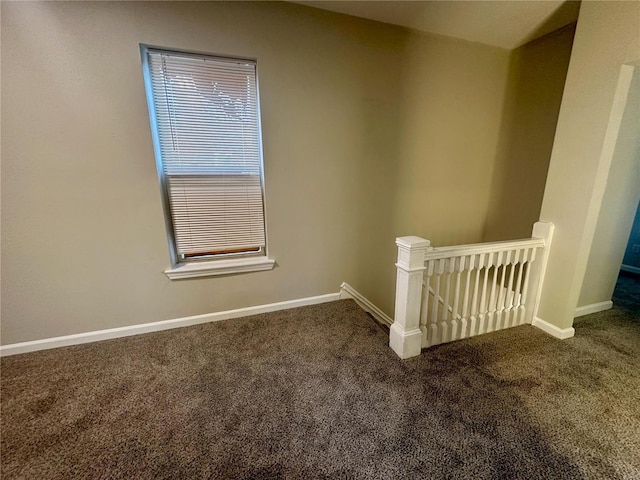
[606,38]
[537,73]
[621,196]
[440,164]
[352,111]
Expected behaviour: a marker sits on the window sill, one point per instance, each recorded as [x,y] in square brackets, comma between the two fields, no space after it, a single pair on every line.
[220,267]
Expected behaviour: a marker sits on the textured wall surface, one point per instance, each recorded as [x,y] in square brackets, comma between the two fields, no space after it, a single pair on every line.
[537,73]
[619,205]
[606,38]
[370,132]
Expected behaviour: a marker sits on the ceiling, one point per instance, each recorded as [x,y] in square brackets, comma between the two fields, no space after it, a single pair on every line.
[506,24]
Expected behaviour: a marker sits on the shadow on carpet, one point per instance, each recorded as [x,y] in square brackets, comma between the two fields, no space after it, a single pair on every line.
[315,392]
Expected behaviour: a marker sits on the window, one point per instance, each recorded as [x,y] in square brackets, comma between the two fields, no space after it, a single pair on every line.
[205,124]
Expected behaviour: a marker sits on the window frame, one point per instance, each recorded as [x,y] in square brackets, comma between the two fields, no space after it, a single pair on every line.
[202,265]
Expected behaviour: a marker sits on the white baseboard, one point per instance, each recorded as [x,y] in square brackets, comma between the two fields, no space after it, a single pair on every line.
[88,337]
[630,269]
[593,308]
[347,291]
[561,333]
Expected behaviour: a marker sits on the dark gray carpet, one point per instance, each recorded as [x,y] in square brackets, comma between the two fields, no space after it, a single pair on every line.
[315,392]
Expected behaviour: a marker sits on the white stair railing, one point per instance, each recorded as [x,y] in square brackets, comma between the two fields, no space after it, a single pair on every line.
[450,293]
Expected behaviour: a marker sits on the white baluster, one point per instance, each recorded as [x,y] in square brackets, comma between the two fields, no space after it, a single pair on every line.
[436,338]
[423,312]
[428,334]
[447,291]
[520,287]
[456,317]
[470,265]
[508,314]
[492,297]
[483,306]
[500,292]
[525,287]
[448,320]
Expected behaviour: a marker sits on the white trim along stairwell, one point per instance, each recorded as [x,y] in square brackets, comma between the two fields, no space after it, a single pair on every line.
[98,335]
[346,291]
[560,333]
[593,308]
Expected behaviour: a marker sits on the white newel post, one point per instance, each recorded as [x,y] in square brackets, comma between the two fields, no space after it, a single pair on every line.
[539,267]
[405,336]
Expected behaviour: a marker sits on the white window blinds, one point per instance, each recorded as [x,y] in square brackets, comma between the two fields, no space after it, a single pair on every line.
[208,140]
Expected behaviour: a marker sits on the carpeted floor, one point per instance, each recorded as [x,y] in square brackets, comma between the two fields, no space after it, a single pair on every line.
[315,392]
